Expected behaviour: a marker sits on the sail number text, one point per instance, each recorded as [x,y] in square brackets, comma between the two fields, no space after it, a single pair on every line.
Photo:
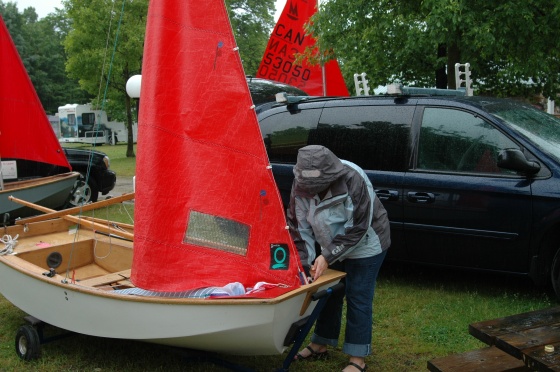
[274,67]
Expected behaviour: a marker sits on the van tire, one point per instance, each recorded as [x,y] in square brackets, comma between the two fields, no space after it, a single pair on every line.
[555,273]
[83,192]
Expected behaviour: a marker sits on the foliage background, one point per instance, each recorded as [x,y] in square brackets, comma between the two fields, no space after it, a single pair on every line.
[512,45]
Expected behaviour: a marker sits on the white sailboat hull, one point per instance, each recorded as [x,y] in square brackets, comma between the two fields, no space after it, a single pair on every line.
[233,326]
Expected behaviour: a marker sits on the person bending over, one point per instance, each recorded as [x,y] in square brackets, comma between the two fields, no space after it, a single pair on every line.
[336,220]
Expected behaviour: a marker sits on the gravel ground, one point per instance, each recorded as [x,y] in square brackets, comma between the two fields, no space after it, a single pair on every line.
[123,185]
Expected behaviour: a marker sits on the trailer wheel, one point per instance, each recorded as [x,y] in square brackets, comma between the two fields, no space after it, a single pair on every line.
[28,345]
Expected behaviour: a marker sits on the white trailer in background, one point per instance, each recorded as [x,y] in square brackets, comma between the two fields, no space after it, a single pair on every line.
[81,123]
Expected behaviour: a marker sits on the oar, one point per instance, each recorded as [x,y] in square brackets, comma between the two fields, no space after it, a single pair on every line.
[83,208]
[88,224]
[106,222]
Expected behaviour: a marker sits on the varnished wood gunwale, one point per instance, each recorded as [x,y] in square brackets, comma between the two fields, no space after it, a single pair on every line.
[18,185]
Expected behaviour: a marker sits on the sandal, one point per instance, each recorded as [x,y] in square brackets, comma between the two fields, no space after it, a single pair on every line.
[358,367]
[314,354]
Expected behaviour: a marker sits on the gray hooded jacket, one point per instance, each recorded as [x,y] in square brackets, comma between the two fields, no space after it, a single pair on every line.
[348,222]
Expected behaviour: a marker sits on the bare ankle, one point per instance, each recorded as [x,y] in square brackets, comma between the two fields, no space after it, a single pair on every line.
[318,347]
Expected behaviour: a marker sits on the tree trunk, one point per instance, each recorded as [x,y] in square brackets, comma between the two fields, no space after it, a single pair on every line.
[453,57]
[128,108]
[441,77]
[130,139]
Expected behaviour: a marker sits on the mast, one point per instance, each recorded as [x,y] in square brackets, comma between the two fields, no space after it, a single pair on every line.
[323,71]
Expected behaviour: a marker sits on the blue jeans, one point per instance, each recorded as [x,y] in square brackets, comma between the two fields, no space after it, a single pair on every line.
[361,276]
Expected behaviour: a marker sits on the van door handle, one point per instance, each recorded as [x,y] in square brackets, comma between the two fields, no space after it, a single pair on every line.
[421,197]
[387,194]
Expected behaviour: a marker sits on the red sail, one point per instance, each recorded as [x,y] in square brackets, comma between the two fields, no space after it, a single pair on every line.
[25,131]
[288,39]
[207,210]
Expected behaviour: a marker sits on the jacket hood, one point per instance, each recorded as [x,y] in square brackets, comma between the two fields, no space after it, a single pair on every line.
[316,168]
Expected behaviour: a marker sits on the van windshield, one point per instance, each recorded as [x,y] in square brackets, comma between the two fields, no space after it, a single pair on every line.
[537,126]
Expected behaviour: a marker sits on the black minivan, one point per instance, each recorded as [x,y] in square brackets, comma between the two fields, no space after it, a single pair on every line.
[468,182]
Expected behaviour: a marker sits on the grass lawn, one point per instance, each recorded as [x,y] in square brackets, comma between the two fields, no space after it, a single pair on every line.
[420,314]
[125,167]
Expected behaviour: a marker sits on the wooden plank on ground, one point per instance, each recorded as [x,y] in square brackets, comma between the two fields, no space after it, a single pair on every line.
[489,359]
[487,331]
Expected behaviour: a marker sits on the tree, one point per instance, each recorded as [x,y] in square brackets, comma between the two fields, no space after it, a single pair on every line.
[512,45]
[251,21]
[104,49]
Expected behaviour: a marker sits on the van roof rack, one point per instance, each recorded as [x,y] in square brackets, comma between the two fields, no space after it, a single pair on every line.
[283,97]
[399,89]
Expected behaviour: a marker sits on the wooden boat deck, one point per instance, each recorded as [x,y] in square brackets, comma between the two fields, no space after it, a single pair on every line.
[98,261]
[109,278]
[87,258]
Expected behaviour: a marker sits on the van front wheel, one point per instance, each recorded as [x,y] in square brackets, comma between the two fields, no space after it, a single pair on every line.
[555,274]
[84,192]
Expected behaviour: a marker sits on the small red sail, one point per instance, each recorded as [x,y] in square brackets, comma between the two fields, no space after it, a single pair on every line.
[25,131]
[288,39]
[207,210]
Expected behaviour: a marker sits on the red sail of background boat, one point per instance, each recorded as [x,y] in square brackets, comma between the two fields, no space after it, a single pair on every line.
[218,216]
[288,39]
[25,131]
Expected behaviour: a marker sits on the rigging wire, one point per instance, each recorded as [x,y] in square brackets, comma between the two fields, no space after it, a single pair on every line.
[102,107]
[104,64]
[97,126]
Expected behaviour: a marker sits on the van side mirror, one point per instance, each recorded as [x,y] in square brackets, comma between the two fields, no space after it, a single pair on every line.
[514,159]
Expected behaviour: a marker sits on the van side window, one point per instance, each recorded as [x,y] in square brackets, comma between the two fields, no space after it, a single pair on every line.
[458,141]
[373,137]
[286,132]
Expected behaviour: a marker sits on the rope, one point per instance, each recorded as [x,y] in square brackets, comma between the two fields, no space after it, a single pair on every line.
[10,244]
[112,57]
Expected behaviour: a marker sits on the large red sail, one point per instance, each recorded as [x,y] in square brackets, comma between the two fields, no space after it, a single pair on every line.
[288,39]
[207,210]
[25,131]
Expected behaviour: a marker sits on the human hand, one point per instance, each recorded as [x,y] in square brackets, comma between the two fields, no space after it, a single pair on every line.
[319,267]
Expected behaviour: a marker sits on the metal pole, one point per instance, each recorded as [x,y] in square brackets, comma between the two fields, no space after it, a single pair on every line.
[323,72]
[324,80]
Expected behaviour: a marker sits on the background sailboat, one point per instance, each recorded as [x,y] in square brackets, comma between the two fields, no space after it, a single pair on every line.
[33,165]
[218,220]
[288,39]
